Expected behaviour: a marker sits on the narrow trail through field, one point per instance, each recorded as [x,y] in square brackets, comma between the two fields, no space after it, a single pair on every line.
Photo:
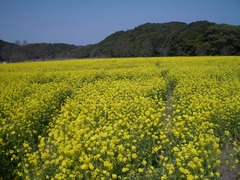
[168,110]
[225,169]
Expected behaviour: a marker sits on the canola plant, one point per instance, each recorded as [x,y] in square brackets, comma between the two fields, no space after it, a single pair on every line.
[132,118]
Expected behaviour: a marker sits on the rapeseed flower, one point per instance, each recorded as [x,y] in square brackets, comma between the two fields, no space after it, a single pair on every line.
[121,118]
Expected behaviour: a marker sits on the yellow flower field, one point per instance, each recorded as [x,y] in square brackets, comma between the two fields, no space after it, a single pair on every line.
[132,118]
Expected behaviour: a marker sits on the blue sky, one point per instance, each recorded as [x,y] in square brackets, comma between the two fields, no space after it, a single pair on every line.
[84,22]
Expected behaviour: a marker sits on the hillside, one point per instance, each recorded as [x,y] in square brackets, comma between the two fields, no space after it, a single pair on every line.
[147,40]
[14,53]
[172,39]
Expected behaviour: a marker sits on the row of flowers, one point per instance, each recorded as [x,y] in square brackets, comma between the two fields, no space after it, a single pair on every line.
[167,118]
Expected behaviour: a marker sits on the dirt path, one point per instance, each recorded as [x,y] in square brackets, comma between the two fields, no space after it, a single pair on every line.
[225,169]
[168,111]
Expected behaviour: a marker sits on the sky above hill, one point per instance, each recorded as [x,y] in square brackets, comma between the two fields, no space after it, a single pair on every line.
[83,22]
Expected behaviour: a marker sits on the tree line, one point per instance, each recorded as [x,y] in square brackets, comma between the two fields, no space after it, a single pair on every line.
[199,38]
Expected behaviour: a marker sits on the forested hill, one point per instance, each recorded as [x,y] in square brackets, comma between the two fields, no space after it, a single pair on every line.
[150,39]
[16,52]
